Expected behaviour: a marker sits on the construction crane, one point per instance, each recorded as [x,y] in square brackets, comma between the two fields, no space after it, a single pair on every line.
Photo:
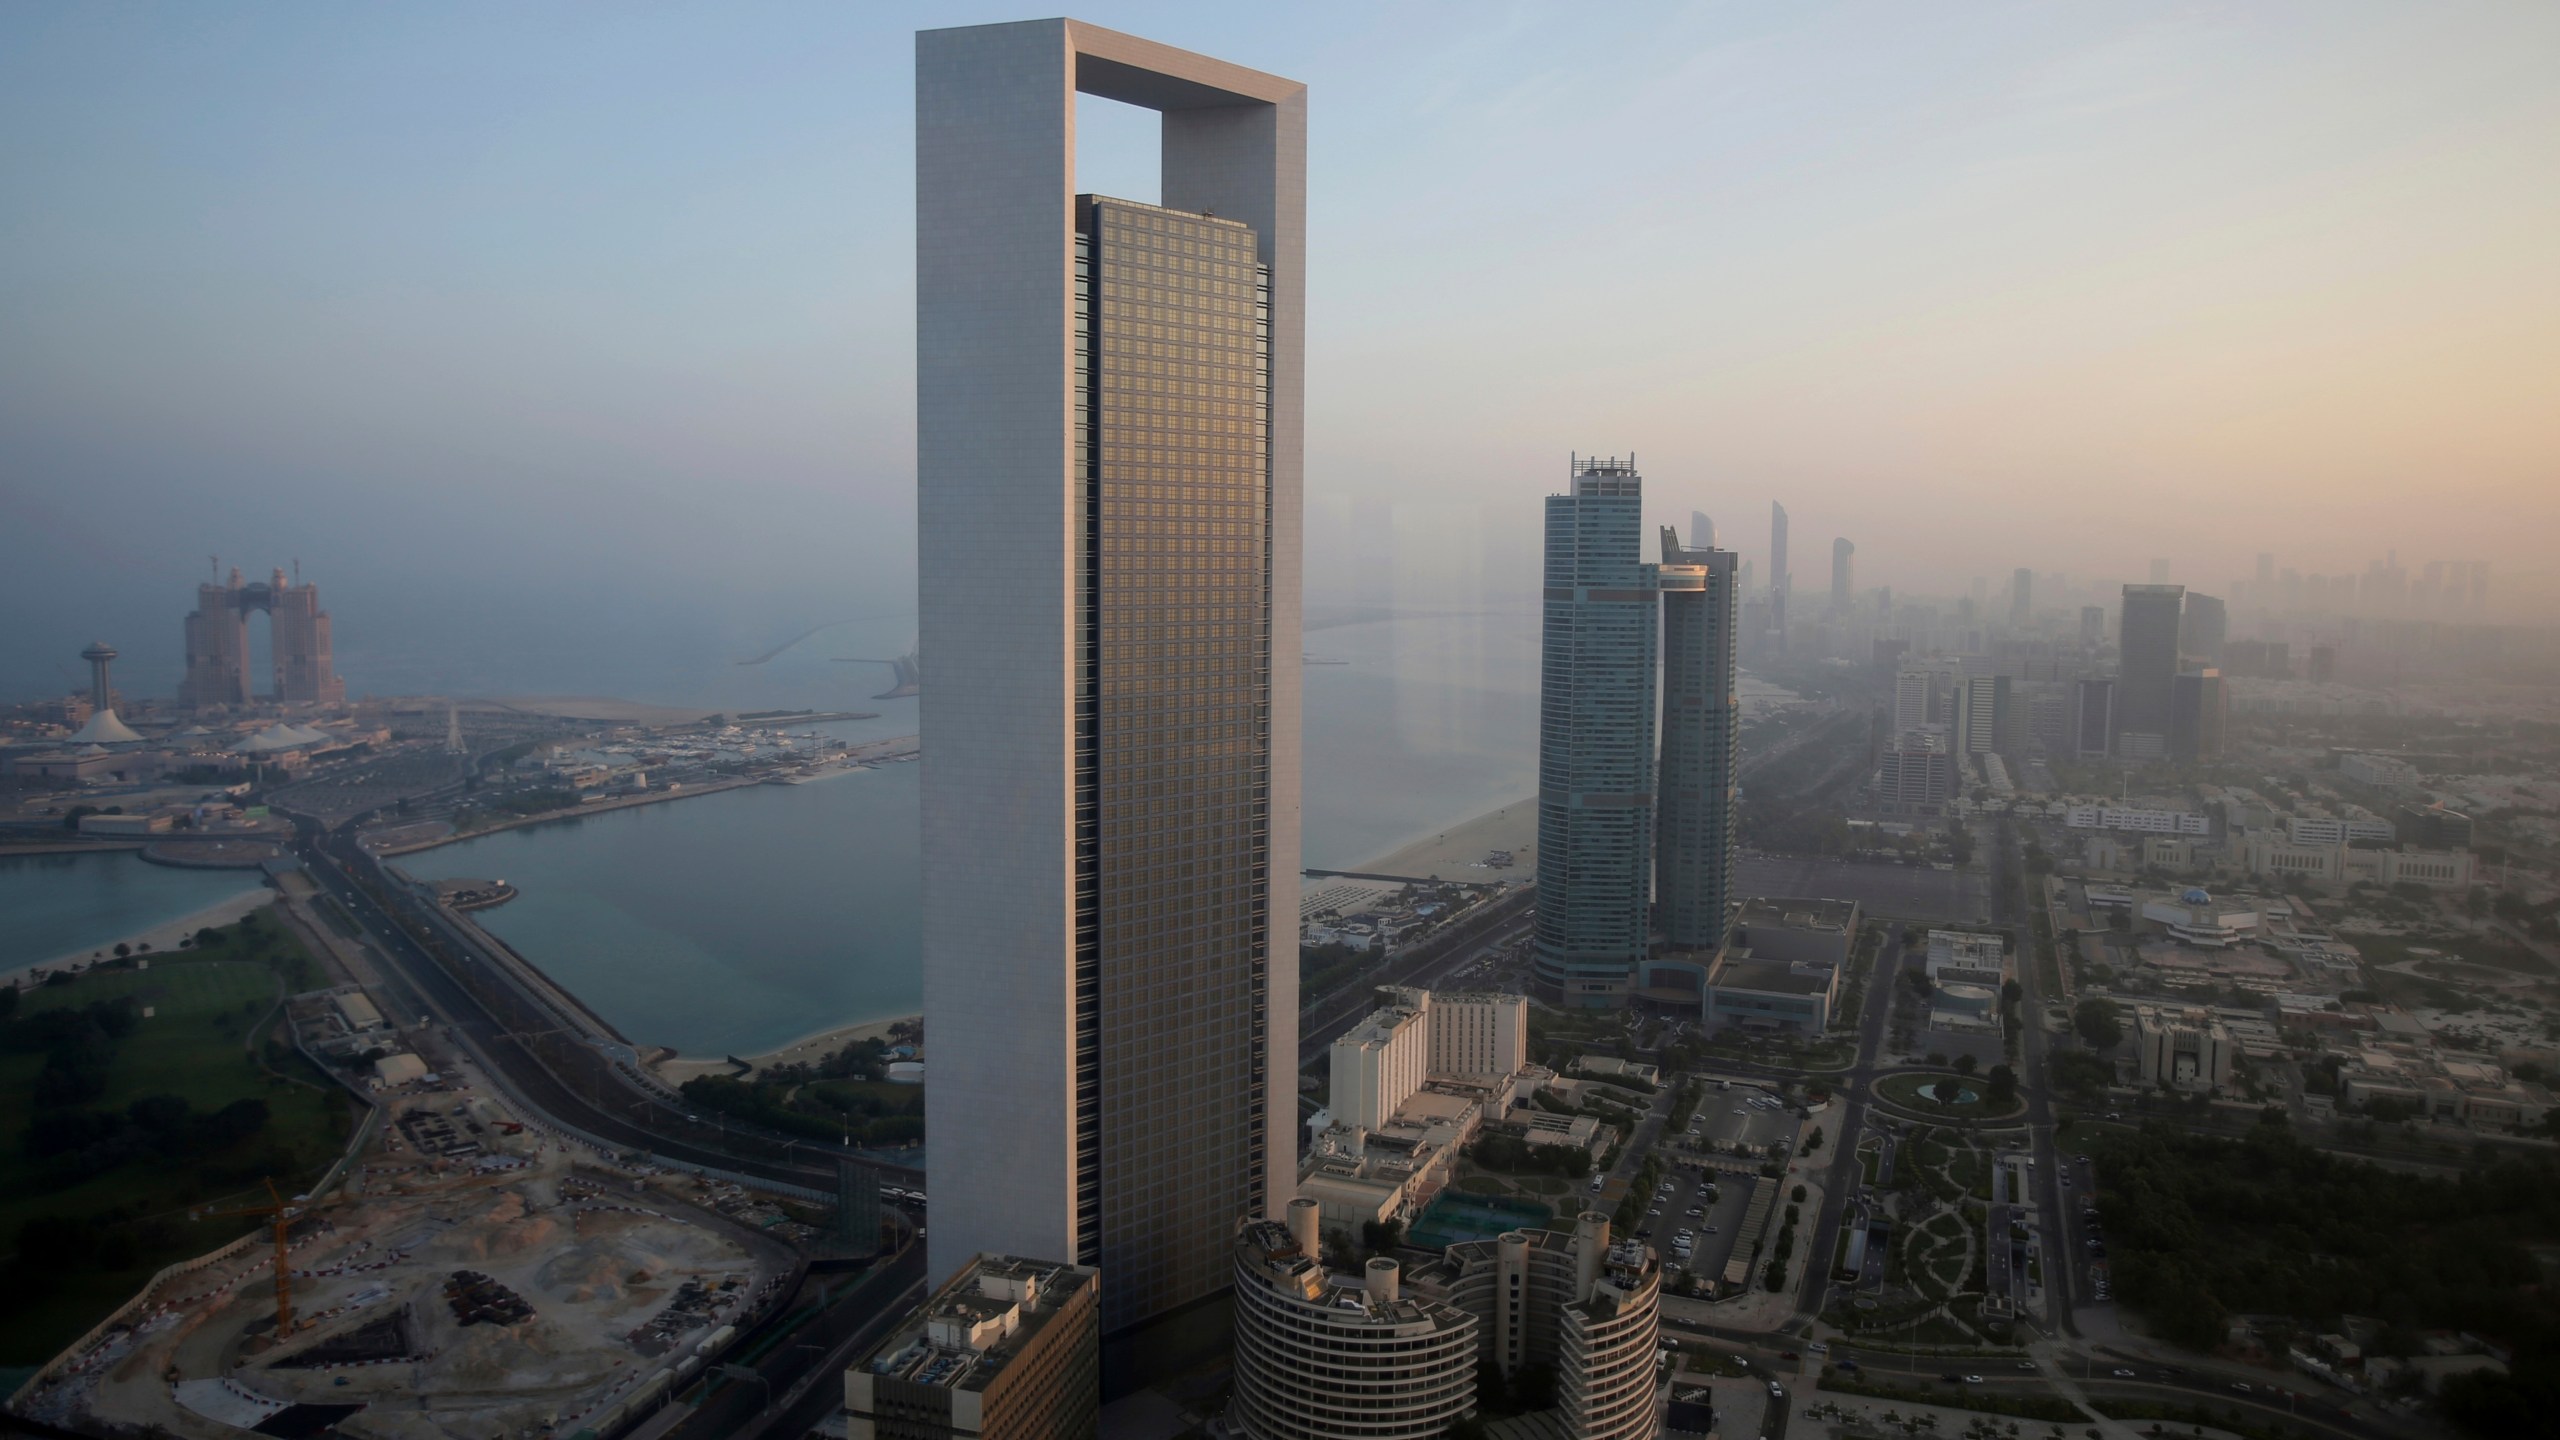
[282,1213]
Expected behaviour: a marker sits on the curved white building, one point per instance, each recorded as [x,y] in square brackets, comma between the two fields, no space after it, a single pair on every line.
[1589,1308]
[1321,1360]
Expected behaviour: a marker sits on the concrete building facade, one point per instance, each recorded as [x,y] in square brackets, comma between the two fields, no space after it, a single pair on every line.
[1109,412]
[1379,1063]
[1007,1349]
[1596,757]
[1316,1359]
[218,645]
[1579,1304]
[2147,669]
[2187,1050]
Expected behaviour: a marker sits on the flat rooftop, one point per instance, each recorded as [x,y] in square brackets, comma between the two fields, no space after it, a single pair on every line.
[1745,972]
[982,1292]
[1799,914]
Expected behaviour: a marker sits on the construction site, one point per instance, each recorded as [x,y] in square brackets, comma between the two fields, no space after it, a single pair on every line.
[473,1277]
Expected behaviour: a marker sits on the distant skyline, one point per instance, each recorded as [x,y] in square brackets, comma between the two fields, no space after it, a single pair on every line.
[536,333]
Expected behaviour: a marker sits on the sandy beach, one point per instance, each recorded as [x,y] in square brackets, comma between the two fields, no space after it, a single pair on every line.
[809,1049]
[1458,852]
[160,937]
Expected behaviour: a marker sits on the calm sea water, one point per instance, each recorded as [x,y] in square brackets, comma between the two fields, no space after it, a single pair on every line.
[738,922]
[56,905]
[729,924]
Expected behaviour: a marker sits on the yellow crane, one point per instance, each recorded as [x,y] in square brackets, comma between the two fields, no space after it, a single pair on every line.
[282,1213]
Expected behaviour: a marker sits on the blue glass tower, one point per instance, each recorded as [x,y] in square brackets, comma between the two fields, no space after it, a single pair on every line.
[1701,724]
[1596,760]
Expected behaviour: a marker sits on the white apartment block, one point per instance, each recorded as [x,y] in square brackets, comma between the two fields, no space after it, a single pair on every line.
[2149,822]
[2340,829]
[1383,1061]
[1379,1064]
[1964,957]
[2379,770]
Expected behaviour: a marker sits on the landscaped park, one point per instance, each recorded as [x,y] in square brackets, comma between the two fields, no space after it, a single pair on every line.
[134,1092]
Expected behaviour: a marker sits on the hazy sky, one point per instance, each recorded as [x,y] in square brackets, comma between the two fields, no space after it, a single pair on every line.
[548,335]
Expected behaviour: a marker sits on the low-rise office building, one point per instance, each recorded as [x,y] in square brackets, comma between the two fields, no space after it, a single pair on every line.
[2194,917]
[2187,1050]
[1966,957]
[1007,1349]
[1816,931]
[1319,1357]
[1747,992]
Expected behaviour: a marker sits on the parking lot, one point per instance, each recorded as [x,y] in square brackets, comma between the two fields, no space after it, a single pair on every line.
[1702,1174]
[1743,1114]
[1901,892]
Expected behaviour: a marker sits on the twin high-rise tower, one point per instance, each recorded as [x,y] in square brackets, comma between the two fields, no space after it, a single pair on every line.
[1108,420]
[1635,802]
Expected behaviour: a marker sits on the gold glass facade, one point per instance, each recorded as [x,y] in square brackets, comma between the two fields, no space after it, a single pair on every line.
[1172,748]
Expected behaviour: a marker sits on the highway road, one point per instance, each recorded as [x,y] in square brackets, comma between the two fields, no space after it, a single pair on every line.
[1503,922]
[801,1355]
[1874,1015]
[591,1097]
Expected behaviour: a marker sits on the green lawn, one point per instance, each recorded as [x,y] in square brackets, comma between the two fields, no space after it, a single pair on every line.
[204,1006]
[1904,1089]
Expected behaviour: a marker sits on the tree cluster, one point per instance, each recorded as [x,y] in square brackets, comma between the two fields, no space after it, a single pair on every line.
[1511,1155]
[78,1046]
[74,1145]
[2201,1227]
[2096,1021]
[831,1111]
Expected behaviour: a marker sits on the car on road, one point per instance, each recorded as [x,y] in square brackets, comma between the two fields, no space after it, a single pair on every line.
[1973,1379]
[1777,1391]
[2122,1373]
[2241,1386]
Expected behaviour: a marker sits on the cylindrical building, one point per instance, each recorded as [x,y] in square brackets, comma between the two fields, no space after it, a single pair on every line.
[1318,1360]
[1580,1303]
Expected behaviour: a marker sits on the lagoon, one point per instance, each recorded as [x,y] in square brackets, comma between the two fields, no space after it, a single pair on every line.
[57,906]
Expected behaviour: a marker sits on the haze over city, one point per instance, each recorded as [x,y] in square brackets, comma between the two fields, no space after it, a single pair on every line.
[1445,722]
[587,323]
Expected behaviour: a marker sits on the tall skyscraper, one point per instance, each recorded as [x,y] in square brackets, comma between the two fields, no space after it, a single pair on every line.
[2022,598]
[1778,580]
[1915,698]
[2196,706]
[1843,556]
[1702,531]
[2094,716]
[2147,667]
[1701,724]
[1596,767]
[1985,715]
[218,644]
[2093,624]
[1109,400]
[2203,628]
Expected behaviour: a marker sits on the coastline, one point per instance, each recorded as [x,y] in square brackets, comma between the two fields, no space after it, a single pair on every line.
[859,758]
[163,937]
[1457,853]
[808,1049]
